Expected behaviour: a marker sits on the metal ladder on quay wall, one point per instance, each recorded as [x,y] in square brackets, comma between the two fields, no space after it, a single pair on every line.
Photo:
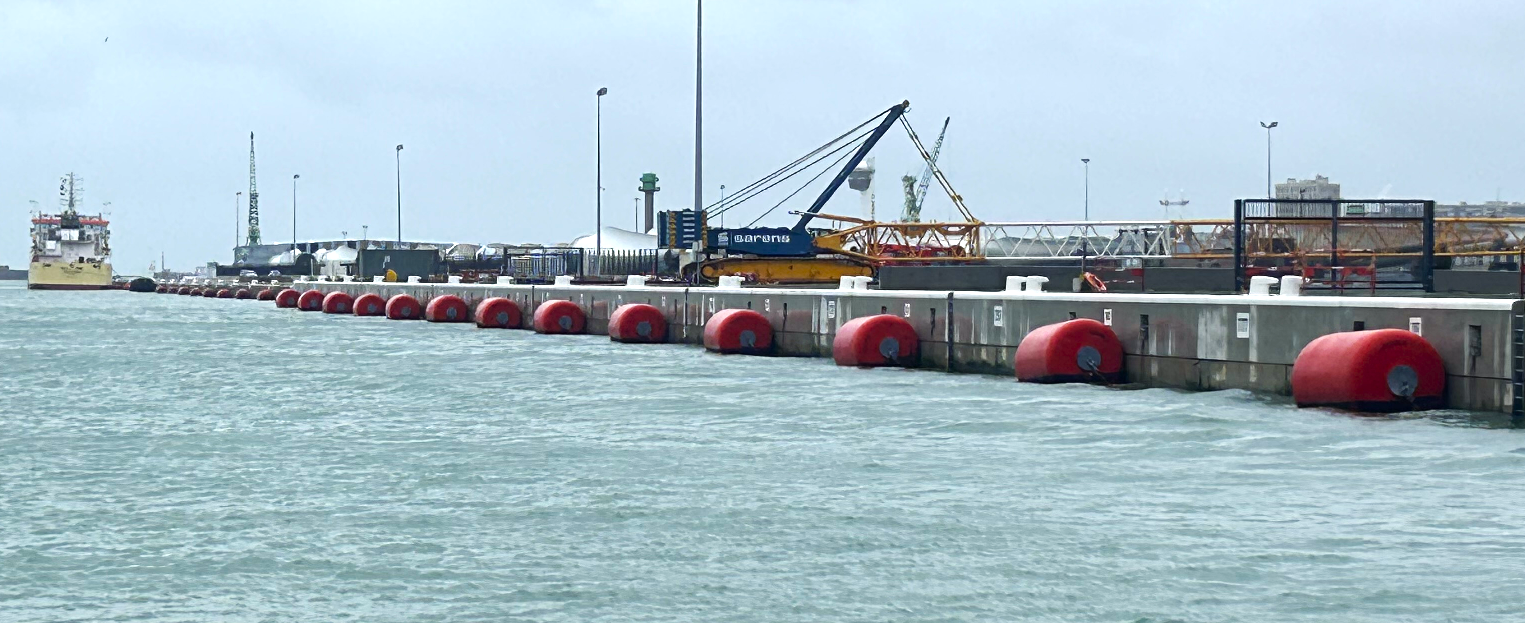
[1517,365]
[1517,353]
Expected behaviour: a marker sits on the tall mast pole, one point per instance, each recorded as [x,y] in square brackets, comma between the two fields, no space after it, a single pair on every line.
[699,109]
[399,195]
[253,231]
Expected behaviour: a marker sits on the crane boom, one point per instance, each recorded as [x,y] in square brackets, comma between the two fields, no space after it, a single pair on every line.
[913,208]
[796,240]
[254,239]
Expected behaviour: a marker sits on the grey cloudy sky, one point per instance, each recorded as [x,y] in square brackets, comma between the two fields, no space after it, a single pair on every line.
[495,100]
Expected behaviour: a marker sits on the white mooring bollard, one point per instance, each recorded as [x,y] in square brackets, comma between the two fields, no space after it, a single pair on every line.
[1260,285]
[1292,285]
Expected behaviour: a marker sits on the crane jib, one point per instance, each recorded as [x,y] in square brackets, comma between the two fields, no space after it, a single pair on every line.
[890,118]
[797,241]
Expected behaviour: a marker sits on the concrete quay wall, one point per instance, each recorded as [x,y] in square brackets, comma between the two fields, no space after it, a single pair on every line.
[1197,342]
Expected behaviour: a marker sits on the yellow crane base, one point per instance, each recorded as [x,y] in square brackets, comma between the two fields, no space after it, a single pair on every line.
[784,269]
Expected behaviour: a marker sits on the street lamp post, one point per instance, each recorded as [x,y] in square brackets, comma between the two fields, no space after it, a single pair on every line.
[699,106]
[1268,127]
[237,203]
[294,179]
[399,194]
[598,131]
[1085,247]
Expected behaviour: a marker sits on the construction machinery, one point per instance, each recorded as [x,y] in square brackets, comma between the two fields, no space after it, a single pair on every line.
[802,254]
[916,194]
[254,238]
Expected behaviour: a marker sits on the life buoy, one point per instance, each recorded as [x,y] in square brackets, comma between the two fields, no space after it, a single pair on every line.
[1095,282]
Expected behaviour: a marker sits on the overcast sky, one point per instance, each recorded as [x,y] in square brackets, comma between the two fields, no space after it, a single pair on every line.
[495,104]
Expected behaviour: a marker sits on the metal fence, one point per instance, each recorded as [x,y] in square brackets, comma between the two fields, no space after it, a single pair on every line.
[1337,243]
[1107,239]
[546,265]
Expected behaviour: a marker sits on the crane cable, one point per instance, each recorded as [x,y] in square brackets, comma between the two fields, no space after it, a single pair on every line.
[803,186]
[769,181]
[958,200]
[854,142]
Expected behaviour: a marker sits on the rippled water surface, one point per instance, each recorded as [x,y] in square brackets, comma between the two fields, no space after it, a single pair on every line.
[164,458]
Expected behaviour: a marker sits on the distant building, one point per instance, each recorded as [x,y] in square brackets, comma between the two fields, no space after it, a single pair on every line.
[1291,192]
[1317,188]
[1489,208]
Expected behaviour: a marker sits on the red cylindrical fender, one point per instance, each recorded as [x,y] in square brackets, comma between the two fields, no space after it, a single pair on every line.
[740,331]
[243,293]
[1075,351]
[1382,371]
[287,298]
[559,317]
[161,289]
[209,292]
[183,290]
[404,307]
[224,293]
[498,313]
[637,323]
[337,302]
[447,308]
[882,340]
[311,300]
[370,304]
[267,294]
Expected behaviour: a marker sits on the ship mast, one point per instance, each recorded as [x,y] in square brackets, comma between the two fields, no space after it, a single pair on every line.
[70,192]
[253,198]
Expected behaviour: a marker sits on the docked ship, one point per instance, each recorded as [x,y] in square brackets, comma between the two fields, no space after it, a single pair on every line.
[70,251]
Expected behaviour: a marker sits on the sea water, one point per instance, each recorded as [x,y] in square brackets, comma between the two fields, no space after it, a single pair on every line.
[168,458]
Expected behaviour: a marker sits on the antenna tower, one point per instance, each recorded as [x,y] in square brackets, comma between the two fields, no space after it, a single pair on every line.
[70,190]
[253,198]
[1174,203]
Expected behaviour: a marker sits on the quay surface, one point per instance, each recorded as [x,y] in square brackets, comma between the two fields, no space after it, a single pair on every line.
[1195,342]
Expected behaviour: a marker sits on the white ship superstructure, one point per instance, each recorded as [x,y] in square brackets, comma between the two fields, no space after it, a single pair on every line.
[69,251]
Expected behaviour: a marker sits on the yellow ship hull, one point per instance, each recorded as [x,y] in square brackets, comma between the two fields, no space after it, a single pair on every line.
[68,276]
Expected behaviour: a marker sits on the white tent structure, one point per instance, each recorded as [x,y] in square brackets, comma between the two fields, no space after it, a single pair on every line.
[616,239]
[332,262]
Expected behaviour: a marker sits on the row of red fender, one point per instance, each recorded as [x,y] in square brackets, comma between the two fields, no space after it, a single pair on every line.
[220,293]
[1381,370]
[739,331]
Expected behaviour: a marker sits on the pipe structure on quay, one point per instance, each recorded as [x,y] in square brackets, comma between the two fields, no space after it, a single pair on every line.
[1439,352]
